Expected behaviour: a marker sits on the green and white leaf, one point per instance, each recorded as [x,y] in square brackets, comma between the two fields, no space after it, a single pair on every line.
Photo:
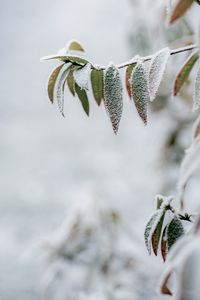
[74,46]
[81,76]
[140,91]
[196,97]
[67,58]
[82,95]
[156,71]
[157,232]
[113,95]
[51,82]
[184,72]
[174,231]
[58,93]
[97,82]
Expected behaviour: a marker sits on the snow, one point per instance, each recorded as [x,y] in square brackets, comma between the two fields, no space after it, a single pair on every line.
[82,76]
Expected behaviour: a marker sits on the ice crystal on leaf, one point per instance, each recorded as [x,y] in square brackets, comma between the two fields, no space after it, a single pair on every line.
[156,71]
[81,76]
[113,95]
[196,97]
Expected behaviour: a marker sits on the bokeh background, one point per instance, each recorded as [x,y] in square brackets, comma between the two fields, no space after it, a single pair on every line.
[50,164]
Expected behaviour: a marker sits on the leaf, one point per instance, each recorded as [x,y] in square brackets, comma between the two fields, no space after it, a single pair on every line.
[157,233]
[139,90]
[180,8]
[51,82]
[97,85]
[184,72]
[81,76]
[196,96]
[129,71]
[164,246]
[67,58]
[58,93]
[83,98]
[156,71]
[74,46]
[148,231]
[164,287]
[113,95]
[71,82]
[174,231]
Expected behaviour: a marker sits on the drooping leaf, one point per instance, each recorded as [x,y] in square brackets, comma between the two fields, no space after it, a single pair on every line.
[157,233]
[184,72]
[51,82]
[174,231]
[129,71]
[164,246]
[97,82]
[58,93]
[74,46]
[156,71]
[179,9]
[71,82]
[164,287]
[196,97]
[148,231]
[81,76]
[67,58]
[139,90]
[113,95]
[83,98]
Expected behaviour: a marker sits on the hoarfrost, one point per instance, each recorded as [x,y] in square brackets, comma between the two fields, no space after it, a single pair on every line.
[81,76]
[196,96]
[156,71]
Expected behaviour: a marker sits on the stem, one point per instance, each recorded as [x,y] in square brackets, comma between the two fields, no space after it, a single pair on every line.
[149,57]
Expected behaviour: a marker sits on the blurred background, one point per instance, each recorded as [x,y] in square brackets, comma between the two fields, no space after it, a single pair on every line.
[75,198]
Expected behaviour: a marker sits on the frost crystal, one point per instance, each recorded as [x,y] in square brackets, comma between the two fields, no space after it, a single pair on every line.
[156,71]
[58,93]
[196,97]
[113,95]
[139,90]
[81,76]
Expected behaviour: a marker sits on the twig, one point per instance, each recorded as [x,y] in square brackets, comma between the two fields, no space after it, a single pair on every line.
[149,57]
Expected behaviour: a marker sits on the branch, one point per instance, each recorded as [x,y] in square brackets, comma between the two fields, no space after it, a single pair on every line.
[147,58]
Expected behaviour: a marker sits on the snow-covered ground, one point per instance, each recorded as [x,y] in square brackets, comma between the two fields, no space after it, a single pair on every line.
[48,162]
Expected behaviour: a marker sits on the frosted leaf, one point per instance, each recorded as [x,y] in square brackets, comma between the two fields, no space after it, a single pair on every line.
[129,71]
[113,95]
[139,90]
[156,71]
[74,45]
[151,227]
[179,9]
[67,58]
[196,96]
[157,233]
[97,85]
[81,77]
[58,93]
[51,82]
[190,164]
[174,231]
[184,72]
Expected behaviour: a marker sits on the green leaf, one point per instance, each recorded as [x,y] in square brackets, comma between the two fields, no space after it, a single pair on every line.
[71,82]
[156,71]
[74,46]
[51,82]
[67,58]
[113,95]
[174,231]
[196,96]
[180,8]
[184,72]
[83,98]
[97,85]
[157,233]
[139,90]
[129,71]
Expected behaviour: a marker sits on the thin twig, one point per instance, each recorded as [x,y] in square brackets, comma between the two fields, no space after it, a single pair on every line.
[147,58]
